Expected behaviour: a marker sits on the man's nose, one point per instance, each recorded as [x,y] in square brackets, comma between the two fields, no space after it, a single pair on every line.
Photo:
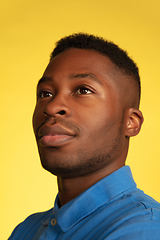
[59,105]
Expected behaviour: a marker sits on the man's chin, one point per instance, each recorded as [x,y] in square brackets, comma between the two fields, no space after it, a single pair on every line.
[73,168]
[64,172]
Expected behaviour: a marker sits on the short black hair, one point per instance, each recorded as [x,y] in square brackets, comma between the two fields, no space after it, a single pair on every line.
[107,48]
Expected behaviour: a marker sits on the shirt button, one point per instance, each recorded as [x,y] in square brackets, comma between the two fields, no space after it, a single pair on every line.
[53,221]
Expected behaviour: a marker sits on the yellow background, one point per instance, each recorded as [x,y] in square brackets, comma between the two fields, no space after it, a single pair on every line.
[28,32]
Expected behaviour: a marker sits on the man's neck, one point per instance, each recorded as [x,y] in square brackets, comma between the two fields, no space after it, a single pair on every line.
[69,188]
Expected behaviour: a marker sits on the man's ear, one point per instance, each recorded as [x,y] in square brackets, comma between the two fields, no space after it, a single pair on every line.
[134,122]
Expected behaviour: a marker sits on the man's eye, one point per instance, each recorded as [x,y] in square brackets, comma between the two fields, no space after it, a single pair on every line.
[45,94]
[83,90]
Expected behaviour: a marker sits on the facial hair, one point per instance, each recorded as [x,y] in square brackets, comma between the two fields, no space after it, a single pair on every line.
[89,164]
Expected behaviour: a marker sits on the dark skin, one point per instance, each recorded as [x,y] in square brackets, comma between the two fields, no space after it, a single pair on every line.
[86,112]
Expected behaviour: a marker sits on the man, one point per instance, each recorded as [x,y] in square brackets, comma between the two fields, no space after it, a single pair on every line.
[87,109]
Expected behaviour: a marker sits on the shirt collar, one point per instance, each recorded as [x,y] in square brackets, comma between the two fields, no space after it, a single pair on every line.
[104,191]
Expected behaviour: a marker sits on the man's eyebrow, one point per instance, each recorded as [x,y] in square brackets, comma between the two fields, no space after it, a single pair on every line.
[44,79]
[85,75]
[72,76]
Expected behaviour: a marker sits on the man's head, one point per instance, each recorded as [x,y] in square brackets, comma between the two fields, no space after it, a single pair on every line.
[87,107]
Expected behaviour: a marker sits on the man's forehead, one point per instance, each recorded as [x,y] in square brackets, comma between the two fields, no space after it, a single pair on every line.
[81,61]
[83,55]
[85,62]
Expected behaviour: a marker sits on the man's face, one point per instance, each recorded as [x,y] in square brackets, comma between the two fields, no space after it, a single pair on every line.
[79,118]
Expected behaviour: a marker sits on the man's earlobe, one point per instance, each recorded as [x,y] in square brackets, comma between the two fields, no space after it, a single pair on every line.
[134,122]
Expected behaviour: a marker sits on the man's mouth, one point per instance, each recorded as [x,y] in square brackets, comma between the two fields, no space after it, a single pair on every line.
[54,141]
[54,136]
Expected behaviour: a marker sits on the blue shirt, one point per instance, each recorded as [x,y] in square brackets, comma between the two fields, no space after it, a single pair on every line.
[112,209]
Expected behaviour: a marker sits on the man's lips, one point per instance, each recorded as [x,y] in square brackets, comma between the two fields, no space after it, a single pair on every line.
[54,135]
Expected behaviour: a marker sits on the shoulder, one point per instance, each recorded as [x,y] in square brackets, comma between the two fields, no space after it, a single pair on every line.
[31,224]
[147,207]
[140,219]
[136,229]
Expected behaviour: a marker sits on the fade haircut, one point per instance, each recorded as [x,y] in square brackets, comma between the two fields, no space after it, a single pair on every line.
[107,48]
